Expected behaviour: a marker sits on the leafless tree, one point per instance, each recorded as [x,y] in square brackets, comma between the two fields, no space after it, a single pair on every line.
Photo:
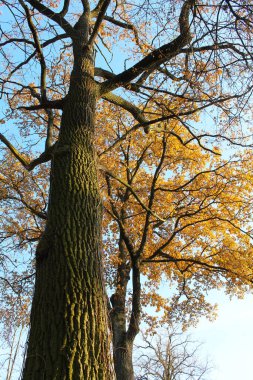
[170,355]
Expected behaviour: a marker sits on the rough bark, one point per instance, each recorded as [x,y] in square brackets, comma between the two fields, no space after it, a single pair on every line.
[123,362]
[122,345]
[123,338]
[69,329]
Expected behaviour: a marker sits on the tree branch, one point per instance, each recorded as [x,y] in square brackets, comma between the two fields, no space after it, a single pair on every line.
[134,323]
[28,165]
[38,50]
[214,47]
[38,213]
[151,198]
[65,8]
[57,17]
[15,152]
[48,104]
[98,22]
[124,25]
[135,111]
[192,179]
[168,258]
[158,56]
[11,40]
[97,9]
[108,172]
[109,75]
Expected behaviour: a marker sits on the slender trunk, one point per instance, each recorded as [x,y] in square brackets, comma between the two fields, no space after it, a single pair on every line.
[69,330]
[123,362]
[122,345]
[122,342]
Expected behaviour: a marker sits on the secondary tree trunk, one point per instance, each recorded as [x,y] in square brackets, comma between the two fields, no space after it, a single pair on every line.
[122,340]
[69,329]
[122,354]
[122,345]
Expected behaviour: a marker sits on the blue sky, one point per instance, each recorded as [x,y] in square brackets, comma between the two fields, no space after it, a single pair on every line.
[228,340]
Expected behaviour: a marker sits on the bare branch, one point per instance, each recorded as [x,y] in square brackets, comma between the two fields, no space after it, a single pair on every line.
[15,152]
[48,104]
[108,172]
[57,17]
[192,179]
[109,75]
[29,165]
[38,213]
[158,56]
[13,40]
[65,8]
[135,111]
[98,22]
[38,50]
[124,25]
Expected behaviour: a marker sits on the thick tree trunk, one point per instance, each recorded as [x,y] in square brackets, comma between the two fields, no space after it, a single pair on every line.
[69,330]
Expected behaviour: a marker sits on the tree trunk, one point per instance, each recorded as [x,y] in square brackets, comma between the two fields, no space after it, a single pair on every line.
[123,362]
[123,338]
[69,328]
[122,343]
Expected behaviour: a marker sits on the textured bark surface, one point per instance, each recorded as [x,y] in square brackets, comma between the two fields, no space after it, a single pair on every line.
[122,339]
[69,330]
[123,360]
[122,345]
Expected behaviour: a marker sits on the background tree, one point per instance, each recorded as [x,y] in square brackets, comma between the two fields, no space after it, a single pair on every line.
[173,208]
[170,355]
[184,214]
[10,364]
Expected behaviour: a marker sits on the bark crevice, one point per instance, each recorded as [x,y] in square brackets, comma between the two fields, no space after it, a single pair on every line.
[69,337]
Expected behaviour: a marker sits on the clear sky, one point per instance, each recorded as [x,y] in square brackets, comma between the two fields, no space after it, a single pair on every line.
[228,341]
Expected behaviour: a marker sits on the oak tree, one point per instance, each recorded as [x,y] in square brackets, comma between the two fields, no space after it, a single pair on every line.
[173,207]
